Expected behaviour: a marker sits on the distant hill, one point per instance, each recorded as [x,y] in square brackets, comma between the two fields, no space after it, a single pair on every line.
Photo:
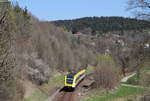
[102,24]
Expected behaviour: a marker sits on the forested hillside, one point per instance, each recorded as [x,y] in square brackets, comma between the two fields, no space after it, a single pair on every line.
[35,55]
[99,25]
[33,50]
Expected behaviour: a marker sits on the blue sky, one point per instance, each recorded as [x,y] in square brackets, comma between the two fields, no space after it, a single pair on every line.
[70,9]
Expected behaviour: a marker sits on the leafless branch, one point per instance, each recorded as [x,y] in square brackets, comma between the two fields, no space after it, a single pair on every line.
[142,7]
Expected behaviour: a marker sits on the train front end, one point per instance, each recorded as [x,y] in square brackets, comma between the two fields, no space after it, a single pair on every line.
[69,80]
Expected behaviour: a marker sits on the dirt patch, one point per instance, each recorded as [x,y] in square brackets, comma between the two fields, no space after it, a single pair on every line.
[53,96]
[29,88]
[66,96]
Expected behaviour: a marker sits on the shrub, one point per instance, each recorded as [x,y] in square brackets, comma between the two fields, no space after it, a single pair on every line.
[145,79]
[106,74]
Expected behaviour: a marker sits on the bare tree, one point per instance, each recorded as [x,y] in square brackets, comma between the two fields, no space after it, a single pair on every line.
[106,74]
[9,87]
[5,45]
[141,8]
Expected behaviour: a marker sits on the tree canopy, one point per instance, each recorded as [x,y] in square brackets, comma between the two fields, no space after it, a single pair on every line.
[98,25]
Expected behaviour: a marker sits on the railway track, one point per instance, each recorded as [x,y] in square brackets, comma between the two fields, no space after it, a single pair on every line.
[66,96]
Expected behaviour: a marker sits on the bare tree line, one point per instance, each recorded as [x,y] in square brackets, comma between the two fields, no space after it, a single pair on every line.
[10,88]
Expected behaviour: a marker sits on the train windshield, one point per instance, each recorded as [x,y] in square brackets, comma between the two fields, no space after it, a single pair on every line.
[70,78]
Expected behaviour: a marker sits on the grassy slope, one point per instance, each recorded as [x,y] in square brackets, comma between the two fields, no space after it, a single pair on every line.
[121,92]
[56,81]
[134,80]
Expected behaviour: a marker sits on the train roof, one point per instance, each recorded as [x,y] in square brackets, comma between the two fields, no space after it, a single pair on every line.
[72,74]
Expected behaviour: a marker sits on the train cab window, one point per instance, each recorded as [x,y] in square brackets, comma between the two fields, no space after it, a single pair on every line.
[70,76]
[69,81]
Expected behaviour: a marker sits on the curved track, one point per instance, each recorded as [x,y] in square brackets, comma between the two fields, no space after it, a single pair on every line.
[66,96]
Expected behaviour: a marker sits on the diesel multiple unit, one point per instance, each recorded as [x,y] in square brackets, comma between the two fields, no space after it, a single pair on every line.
[73,79]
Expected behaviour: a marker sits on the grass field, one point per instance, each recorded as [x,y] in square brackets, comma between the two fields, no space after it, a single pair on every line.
[57,81]
[121,92]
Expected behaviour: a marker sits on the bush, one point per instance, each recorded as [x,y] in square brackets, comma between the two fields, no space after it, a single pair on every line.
[11,91]
[145,79]
[106,74]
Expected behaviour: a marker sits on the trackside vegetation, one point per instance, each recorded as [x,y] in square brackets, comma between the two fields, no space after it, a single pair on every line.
[36,96]
[106,73]
[57,81]
[121,92]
